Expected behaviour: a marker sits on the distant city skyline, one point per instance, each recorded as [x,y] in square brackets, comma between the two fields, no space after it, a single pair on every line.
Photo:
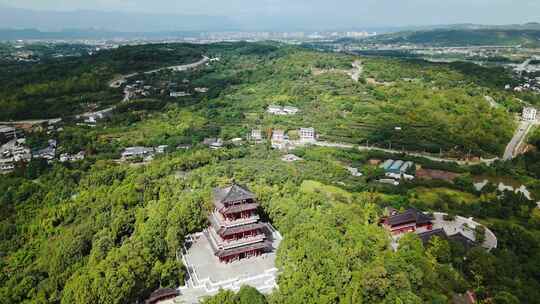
[301,14]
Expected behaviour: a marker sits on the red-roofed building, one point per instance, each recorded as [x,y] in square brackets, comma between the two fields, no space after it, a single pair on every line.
[235,231]
[411,220]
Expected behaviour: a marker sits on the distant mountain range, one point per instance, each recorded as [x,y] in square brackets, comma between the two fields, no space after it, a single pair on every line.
[16,23]
[472,26]
[467,35]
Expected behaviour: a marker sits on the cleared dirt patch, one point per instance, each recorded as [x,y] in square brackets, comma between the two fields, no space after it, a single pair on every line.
[436,174]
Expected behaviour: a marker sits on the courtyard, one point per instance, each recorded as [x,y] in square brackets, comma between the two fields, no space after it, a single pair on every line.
[207,275]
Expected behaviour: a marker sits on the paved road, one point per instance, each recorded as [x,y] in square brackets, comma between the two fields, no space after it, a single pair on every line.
[31,122]
[183,67]
[512,149]
[117,82]
[415,154]
[522,67]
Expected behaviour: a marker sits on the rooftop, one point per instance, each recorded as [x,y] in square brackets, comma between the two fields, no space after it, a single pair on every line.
[426,236]
[240,229]
[409,216]
[160,294]
[239,208]
[231,194]
[138,150]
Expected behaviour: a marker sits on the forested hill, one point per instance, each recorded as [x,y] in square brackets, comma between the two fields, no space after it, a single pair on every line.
[60,86]
[464,37]
[436,106]
[107,231]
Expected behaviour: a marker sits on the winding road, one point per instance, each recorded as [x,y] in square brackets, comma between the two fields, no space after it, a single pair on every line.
[118,81]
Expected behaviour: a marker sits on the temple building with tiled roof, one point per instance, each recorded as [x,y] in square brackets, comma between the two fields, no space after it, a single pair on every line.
[236,231]
[162,294]
[411,220]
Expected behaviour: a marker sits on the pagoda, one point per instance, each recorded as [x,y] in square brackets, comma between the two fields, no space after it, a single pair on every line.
[236,231]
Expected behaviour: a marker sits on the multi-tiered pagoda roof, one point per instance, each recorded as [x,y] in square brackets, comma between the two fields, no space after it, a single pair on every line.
[236,230]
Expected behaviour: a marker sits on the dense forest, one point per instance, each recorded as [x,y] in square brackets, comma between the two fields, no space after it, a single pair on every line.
[107,233]
[62,86]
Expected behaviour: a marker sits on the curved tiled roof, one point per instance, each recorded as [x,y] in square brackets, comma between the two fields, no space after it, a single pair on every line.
[162,294]
[234,251]
[426,236]
[409,216]
[233,193]
[239,229]
[240,208]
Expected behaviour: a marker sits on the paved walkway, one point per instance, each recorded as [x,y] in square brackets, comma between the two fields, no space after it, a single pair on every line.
[465,226]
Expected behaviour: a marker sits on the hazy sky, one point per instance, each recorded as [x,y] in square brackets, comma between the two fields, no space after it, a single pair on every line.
[338,12]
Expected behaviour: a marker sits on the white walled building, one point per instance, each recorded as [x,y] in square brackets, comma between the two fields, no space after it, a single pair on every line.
[179,94]
[290,110]
[278,139]
[7,164]
[201,90]
[279,110]
[133,152]
[529,114]
[66,157]
[307,135]
[273,109]
[278,135]
[256,135]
